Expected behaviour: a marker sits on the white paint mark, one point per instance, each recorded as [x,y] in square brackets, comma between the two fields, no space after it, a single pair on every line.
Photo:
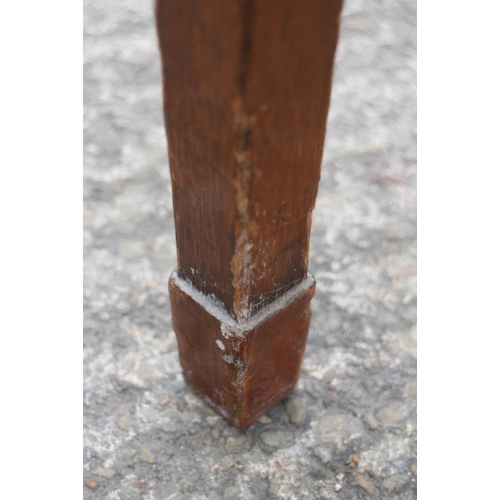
[228,358]
[240,328]
[225,330]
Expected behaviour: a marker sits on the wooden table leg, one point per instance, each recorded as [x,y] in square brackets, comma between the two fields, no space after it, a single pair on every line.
[246,95]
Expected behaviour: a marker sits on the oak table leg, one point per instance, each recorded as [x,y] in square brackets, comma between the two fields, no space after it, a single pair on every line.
[246,95]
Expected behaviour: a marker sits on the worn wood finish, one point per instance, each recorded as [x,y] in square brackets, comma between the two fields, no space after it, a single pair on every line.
[246,93]
[246,88]
[241,369]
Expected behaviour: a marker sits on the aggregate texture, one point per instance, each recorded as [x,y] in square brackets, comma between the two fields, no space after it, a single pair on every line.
[348,431]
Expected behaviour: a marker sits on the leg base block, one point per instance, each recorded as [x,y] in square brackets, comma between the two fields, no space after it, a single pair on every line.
[240,369]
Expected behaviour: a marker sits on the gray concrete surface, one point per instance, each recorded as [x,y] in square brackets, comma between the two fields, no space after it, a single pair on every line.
[349,429]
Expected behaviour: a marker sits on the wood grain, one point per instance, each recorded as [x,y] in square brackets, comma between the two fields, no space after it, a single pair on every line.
[246,93]
[240,369]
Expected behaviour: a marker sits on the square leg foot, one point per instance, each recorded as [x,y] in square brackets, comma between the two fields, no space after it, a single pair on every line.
[240,369]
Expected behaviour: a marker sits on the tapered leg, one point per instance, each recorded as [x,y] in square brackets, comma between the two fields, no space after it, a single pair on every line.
[246,95]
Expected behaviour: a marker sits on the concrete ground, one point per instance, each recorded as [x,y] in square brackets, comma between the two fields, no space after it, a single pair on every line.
[349,429]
